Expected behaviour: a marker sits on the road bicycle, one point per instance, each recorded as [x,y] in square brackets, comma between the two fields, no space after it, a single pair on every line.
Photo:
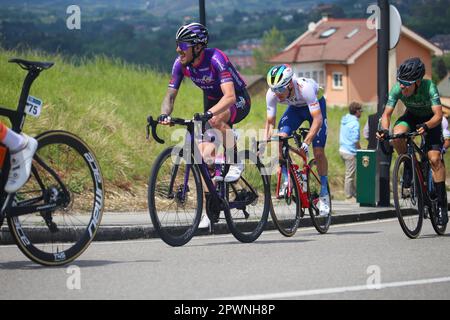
[54,217]
[175,190]
[289,203]
[414,194]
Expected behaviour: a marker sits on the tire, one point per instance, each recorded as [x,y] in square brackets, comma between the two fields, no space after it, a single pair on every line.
[439,229]
[322,224]
[57,236]
[176,226]
[252,192]
[286,211]
[408,202]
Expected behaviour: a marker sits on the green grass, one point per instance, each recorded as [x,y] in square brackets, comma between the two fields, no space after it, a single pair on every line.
[106,103]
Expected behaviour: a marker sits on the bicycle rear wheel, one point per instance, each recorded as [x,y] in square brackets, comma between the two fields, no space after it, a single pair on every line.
[322,224]
[175,197]
[66,186]
[286,209]
[408,197]
[249,200]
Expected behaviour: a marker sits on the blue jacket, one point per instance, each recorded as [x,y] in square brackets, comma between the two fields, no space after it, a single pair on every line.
[349,134]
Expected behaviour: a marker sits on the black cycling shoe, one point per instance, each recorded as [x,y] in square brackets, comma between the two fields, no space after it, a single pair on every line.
[442,216]
[407,177]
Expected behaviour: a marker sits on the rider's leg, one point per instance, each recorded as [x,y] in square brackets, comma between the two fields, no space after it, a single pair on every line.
[434,140]
[400,144]
[319,143]
[402,126]
[22,149]
[290,121]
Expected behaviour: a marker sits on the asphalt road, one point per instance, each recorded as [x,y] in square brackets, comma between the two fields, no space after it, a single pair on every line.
[372,260]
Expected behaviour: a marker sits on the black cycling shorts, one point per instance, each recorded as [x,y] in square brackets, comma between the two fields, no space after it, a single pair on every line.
[238,111]
[433,138]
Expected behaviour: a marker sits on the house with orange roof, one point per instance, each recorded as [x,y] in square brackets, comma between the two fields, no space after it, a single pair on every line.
[341,55]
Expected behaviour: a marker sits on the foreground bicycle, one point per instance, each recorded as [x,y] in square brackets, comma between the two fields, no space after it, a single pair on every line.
[54,217]
[175,191]
[414,195]
[302,191]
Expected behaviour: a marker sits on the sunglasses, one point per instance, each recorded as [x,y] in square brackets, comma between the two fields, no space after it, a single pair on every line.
[279,90]
[184,45]
[406,83]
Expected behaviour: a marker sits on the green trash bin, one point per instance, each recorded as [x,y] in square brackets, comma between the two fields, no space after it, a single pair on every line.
[367,193]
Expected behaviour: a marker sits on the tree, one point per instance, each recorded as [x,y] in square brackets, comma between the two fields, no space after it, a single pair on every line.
[272,43]
[441,69]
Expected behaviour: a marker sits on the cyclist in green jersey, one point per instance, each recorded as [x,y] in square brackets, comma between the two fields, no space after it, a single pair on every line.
[424,114]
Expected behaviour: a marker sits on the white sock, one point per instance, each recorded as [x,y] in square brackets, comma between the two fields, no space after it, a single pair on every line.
[13,140]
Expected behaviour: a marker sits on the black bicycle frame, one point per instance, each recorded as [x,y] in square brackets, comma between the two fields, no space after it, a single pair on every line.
[190,145]
[17,118]
[412,148]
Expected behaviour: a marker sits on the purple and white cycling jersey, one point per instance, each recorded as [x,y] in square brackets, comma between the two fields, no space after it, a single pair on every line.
[214,69]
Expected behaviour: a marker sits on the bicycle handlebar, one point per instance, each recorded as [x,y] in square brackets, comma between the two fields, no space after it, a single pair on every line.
[151,123]
[404,135]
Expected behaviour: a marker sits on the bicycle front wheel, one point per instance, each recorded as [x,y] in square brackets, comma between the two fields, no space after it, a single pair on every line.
[286,208]
[408,197]
[322,224]
[175,196]
[66,189]
[249,200]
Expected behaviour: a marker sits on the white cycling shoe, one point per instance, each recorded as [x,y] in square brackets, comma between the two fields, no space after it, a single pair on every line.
[234,172]
[21,165]
[324,206]
[204,223]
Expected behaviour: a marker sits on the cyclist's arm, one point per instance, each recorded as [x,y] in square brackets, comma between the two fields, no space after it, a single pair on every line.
[271,102]
[270,125]
[169,101]
[386,118]
[394,96]
[228,99]
[436,119]
[174,84]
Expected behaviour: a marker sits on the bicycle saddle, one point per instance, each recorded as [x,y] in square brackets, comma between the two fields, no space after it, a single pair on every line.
[27,65]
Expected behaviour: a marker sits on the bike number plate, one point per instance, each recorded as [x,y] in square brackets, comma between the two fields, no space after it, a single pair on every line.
[33,107]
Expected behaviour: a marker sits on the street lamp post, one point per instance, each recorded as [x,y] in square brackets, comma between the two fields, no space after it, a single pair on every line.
[201,5]
[384,160]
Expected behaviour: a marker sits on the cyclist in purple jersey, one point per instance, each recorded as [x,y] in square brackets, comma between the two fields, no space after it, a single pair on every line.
[228,101]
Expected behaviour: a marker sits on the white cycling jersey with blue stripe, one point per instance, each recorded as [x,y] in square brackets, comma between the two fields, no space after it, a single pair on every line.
[307,94]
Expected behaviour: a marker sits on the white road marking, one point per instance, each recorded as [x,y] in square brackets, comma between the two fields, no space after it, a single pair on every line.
[315,292]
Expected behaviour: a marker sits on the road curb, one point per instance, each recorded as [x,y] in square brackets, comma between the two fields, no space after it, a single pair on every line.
[133,232]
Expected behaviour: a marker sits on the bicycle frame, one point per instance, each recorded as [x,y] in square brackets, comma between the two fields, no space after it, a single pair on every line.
[17,118]
[292,168]
[191,145]
[420,165]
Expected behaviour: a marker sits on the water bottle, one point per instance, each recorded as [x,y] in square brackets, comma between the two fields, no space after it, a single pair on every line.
[304,181]
[219,163]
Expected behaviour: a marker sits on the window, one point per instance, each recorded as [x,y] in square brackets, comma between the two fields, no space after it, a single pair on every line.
[328,33]
[314,76]
[318,75]
[337,80]
[322,78]
[351,34]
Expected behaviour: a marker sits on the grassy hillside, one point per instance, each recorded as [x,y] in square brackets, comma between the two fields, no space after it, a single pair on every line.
[106,103]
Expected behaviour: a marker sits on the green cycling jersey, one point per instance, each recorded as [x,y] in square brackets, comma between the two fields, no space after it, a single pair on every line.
[420,103]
